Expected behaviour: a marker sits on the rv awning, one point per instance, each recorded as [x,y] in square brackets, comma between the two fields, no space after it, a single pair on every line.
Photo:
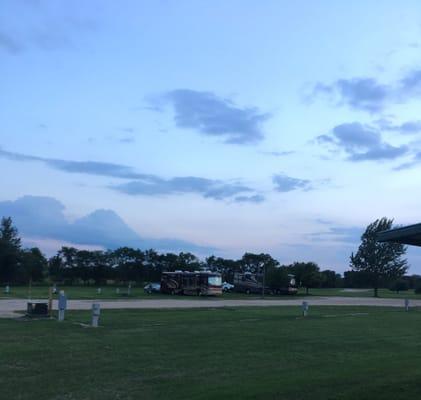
[410,234]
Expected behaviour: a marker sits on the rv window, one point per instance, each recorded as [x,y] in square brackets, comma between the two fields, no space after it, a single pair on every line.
[215,280]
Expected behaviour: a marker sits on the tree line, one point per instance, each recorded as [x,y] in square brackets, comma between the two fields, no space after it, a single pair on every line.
[125,264]
[374,265]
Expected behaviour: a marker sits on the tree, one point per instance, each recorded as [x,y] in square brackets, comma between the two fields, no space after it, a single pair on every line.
[379,260]
[307,274]
[224,266]
[33,265]
[277,278]
[330,279]
[399,285]
[9,250]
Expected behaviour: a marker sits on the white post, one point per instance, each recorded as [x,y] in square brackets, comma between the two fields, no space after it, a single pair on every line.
[406,304]
[7,289]
[62,305]
[304,308]
[96,310]
[99,290]
[129,289]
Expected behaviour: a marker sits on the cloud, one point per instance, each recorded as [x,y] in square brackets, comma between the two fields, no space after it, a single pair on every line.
[278,153]
[358,93]
[361,143]
[139,183]
[350,235]
[416,159]
[211,115]
[207,188]
[284,183]
[82,167]
[368,94]
[410,84]
[43,218]
[257,198]
[10,44]
[408,127]
[48,29]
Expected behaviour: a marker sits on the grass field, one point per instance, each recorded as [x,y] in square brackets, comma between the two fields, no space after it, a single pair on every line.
[90,292]
[386,293]
[245,353]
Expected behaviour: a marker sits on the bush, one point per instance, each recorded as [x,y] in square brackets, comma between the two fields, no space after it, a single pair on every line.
[399,286]
[417,288]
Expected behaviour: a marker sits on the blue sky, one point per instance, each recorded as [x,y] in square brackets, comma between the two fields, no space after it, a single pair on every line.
[210,126]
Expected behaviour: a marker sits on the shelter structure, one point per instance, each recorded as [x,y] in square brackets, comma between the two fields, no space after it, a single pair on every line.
[410,234]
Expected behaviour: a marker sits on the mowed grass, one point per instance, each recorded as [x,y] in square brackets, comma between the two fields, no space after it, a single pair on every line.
[383,293]
[137,292]
[233,353]
[78,292]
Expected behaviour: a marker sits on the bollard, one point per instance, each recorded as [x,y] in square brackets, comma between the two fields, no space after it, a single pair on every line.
[96,310]
[406,304]
[62,305]
[7,289]
[304,308]
[129,289]
[99,290]
[117,291]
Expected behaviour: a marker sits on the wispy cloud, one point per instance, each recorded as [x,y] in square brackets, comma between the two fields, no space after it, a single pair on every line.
[211,115]
[408,127]
[278,153]
[284,183]
[47,31]
[368,94]
[208,188]
[257,198]
[9,44]
[361,143]
[141,184]
[416,160]
[81,167]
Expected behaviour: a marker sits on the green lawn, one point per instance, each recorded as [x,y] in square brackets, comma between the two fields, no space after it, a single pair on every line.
[244,353]
[109,292]
[360,293]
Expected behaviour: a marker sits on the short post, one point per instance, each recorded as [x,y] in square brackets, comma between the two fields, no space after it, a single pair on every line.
[7,289]
[99,290]
[117,291]
[129,289]
[54,289]
[50,301]
[62,305]
[96,310]
[406,304]
[304,308]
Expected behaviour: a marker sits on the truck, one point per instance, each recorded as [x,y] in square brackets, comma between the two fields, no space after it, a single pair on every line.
[197,283]
[248,282]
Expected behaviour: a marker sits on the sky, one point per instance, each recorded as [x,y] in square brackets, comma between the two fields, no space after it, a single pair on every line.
[216,127]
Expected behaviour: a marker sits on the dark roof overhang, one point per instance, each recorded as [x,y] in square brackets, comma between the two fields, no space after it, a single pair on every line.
[410,234]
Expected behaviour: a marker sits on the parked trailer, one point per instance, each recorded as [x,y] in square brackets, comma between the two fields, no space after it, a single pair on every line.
[198,283]
[248,283]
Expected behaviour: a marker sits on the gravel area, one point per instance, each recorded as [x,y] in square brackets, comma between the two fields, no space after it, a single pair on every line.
[8,307]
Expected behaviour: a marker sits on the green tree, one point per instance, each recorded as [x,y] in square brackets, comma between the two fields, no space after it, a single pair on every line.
[277,278]
[379,260]
[9,251]
[307,274]
[33,265]
[399,285]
